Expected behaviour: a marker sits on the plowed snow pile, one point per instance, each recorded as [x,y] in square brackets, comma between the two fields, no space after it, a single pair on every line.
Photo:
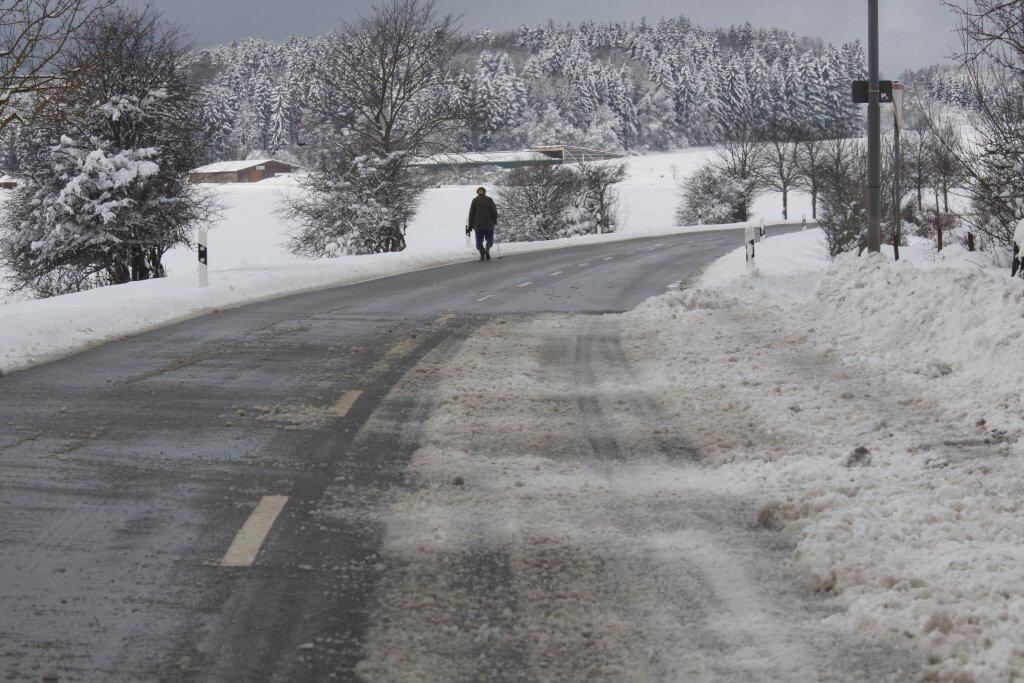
[875,410]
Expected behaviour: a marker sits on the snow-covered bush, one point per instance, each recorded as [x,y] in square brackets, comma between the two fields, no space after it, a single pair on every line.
[362,208]
[710,196]
[105,191]
[551,202]
[842,212]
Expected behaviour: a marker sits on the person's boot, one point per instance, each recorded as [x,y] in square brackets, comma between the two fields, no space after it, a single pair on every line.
[482,254]
[487,253]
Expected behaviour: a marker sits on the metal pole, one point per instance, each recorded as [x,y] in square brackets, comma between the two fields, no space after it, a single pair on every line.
[896,192]
[874,135]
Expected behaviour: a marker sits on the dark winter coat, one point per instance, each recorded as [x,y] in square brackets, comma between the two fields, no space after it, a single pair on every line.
[483,214]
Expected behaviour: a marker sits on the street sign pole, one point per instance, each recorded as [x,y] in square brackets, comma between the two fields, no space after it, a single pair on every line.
[897,193]
[874,180]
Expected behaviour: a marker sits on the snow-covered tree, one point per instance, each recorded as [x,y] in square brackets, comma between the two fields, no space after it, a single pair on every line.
[604,132]
[656,121]
[711,196]
[109,196]
[552,202]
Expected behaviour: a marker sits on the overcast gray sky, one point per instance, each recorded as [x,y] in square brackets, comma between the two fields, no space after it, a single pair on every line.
[914,32]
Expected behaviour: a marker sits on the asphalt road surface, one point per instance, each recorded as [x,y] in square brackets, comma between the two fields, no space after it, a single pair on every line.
[159,498]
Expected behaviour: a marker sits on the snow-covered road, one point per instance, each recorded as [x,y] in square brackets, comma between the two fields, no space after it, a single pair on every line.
[561,525]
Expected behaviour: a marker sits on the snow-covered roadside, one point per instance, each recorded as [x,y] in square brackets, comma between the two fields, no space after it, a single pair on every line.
[778,379]
[38,331]
[757,479]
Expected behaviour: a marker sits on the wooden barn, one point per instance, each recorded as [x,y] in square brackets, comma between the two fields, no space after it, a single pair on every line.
[249,171]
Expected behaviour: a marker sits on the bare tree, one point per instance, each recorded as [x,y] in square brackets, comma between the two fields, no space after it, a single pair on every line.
[917,163]
[385,86]
[742,158]
[33,36]
[780,162]
[992,58]
[394,70]
[810,149]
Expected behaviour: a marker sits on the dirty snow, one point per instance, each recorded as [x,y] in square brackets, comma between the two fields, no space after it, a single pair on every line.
[556,527]
[810,472]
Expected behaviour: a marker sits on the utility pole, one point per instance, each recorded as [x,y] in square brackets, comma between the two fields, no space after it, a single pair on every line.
[874,135]
[897,190]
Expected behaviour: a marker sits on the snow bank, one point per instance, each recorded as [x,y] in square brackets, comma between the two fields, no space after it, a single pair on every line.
[875,409]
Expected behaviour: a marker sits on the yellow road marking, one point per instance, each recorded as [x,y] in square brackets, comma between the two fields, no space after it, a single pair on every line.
[249,538]
[345,403]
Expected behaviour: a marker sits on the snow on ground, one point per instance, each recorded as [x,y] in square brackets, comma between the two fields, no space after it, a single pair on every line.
[812,472]
[253,234]
[919,363]
[249,262]
[555,526]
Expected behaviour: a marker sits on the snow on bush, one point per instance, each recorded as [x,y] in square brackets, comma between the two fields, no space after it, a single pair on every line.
[553,202]
[712,196]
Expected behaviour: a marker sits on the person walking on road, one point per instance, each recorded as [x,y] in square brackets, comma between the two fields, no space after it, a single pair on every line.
[483,217]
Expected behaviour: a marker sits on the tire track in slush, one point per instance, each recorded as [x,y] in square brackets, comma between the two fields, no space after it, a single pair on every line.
[549,534]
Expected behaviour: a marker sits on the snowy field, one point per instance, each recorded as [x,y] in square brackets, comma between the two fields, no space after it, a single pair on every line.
[252,234]
[249,261]
[816,467]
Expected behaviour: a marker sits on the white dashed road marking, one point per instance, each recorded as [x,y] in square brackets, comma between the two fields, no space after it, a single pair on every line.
[485,298]
[345,403]
[557,272]
[607,258]
[525,284]
[580,265]
[249,538]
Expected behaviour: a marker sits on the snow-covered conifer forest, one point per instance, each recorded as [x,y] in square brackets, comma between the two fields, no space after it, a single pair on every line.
[616,86]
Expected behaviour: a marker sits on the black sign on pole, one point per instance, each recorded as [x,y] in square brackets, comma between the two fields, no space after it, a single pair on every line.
[860,92]
[202,254]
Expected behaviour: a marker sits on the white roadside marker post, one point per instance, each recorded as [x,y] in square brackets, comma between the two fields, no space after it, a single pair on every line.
[201,270]
[762,232]
[749,238]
